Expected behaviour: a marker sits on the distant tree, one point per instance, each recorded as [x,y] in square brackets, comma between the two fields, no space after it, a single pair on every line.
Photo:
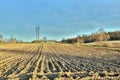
[101,35]
[87,38]
[44,39]
[78,39]
[12,40]
[114,35]
[63,40]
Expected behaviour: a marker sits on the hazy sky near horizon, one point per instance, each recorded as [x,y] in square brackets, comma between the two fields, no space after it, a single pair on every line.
[57,18]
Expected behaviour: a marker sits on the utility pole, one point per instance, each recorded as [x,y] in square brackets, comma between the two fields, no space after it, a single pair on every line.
[37,33]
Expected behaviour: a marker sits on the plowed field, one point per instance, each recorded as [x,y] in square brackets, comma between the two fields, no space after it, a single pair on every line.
[57,62]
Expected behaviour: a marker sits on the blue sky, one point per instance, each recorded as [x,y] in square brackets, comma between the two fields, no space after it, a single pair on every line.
[57,18]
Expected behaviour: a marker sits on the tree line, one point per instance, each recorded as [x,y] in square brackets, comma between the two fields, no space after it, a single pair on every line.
[100,35]
[11,40]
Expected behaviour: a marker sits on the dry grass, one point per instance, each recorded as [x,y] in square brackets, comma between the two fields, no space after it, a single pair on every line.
[104,43]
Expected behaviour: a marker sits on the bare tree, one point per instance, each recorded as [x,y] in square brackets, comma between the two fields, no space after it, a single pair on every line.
[101,35]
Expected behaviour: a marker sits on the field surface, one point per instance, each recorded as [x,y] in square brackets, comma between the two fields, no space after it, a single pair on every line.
[58,62]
